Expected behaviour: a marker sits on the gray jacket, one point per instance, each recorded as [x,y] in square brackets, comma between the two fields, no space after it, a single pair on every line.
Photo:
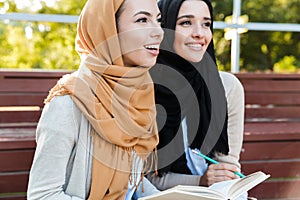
[61,168]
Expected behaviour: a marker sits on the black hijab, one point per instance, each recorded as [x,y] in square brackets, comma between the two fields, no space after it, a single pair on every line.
[193,91]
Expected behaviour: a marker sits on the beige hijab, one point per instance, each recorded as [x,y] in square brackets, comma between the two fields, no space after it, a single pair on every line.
[117,100]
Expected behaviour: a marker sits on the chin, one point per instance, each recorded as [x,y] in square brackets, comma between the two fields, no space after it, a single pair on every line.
[147,63]
[193,59]
[196,59]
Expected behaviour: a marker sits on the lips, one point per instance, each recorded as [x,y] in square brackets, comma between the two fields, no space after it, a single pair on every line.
[195,46]
[152,46]
[153,49]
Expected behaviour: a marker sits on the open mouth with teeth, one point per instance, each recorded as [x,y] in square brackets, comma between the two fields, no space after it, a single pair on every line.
[153,49]
[195,45]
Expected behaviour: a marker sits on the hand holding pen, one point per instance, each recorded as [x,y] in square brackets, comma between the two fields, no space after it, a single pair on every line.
[196,151]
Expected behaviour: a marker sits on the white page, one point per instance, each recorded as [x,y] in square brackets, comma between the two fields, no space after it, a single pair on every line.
[224,186]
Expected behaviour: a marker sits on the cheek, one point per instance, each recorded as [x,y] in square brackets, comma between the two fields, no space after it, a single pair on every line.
[129,41]
[181,34]
[209,36]
[179,41]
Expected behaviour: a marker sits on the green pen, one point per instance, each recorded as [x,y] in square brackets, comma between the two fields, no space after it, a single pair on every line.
[197,152]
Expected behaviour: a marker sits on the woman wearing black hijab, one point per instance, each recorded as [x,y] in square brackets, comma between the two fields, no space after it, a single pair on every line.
[198,107]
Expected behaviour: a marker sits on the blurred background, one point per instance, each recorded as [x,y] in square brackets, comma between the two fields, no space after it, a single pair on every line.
[263,35]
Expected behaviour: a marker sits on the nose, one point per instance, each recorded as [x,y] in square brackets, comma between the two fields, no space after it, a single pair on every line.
[157,31]
[198,31]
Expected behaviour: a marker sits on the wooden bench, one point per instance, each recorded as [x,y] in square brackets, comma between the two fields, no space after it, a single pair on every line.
[21,102]
[272,133]
[271,140]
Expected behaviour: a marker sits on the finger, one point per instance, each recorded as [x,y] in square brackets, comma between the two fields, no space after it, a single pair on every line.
[221,178]
[214,179]
[230,174]
[225,166]
[221,173]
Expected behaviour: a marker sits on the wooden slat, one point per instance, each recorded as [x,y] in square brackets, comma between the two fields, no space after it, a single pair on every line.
[262,131]
[276,168]
[284,113]
[14,182]
[17,144]
[272,189]
[13,197]
[267,76]
[22,99]
[32,73]
[26,85]
[17,138]
[273,98]
[19,116]
[16,160]
[271,150]
[17,133]
[284,86]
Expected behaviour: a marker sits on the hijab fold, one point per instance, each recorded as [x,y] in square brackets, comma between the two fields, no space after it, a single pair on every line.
[117,100]
[187,90]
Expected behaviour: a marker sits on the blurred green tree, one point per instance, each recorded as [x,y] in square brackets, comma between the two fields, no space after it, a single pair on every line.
[261,50]
[45,45]
[39,45]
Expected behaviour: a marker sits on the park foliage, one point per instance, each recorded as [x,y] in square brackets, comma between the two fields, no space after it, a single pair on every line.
[49,45]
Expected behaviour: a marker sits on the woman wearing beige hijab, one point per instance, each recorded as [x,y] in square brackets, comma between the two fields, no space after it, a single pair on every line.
[97,132]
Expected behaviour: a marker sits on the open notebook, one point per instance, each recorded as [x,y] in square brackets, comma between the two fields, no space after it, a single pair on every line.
[231,189]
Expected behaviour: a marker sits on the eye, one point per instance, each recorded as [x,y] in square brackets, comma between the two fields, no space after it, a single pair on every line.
[207,24]
[158,20]
[185,23]
[141,20]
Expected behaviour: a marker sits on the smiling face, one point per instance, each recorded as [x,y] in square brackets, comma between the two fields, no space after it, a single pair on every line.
[139,32]
[192,32]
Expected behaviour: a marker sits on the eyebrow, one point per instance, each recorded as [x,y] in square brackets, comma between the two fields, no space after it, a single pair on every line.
[145,13]
[192,16]
[142,12]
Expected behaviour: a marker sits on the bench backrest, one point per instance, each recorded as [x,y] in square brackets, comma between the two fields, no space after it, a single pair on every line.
[271,139]
[21,101]
[272,133]
[271,97]
[22,95]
